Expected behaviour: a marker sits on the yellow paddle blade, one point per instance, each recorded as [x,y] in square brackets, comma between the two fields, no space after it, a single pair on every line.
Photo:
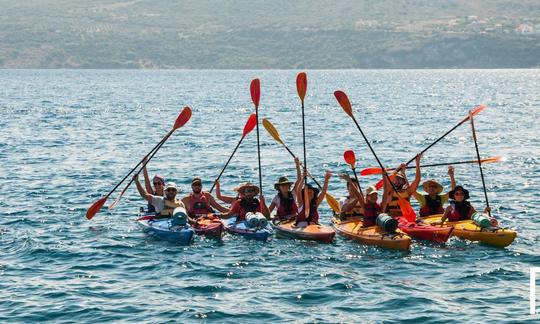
[333,203]
[272,130]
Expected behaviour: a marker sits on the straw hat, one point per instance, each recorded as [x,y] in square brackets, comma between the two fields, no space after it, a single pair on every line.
[281,181]
[429,182]
[242,188]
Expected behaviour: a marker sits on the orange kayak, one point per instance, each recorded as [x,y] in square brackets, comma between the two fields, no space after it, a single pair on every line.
[373,235]
[320,233]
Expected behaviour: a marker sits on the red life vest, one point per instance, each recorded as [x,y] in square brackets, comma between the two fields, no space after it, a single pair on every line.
[455,214]
[245,207]
[371,211]
[313,215]
[199,206]
[432,206]
[282,210]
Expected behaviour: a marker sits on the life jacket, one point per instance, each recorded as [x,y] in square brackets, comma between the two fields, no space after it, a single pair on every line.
[168,209]
[371,211]
[356,211]
[313,217]
[432,206]
[287,206]
[392,207]
[252,206]
[459,211]
[199,206]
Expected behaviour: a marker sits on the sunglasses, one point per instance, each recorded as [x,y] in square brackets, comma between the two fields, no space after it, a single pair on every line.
[459,193]
[158,184]
[171,190]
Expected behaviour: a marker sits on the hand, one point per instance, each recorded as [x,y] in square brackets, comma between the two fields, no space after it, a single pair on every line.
[328,174]
[451,170]
[487,210]
[145,160]
[216,183]
[136,177]
[345,177]
[418,157]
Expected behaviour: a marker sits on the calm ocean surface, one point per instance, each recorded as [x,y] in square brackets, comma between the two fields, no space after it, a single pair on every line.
[69,136]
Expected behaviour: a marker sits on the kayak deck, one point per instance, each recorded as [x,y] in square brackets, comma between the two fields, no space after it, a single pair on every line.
[240,228]
[424,231]
[209,226]
[164,230]
[372,235]
[311,232]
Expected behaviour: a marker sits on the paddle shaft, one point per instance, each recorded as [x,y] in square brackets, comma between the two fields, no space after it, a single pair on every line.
[446,163]
[294,157]
[479,163]
[259,150]
[356,177]
[226,164]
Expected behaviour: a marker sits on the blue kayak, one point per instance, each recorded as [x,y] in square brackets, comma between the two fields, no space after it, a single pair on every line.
[163,229]
[241,228]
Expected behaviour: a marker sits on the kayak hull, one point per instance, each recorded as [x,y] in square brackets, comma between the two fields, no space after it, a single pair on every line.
[210,227]
[240,228]
[373,235]
[163,229]
[319,233]
[467,230]
[426,232]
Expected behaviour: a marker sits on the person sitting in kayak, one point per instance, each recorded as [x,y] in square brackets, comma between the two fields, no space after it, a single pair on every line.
[159,183]
[247,203]
[370,207]
[164,205]
[350,206]
[199,203]
[314,199]
[284,201]
[459,208]
[227,199]
[405,190]
[432,203]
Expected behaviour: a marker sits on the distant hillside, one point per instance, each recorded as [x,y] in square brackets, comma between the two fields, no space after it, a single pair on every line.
[270,34]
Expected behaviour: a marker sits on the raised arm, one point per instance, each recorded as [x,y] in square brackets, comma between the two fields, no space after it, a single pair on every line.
[358,196]
[146,177]
[144,194]
[299,181]
[414,186]
[225,199]
[325,187]
[451,175]
[215,204]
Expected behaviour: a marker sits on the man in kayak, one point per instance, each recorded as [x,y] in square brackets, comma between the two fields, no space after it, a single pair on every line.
[404,189]
[370,207]
[159,184]
[199,203]
[247,203]
[164,205]
[432,203]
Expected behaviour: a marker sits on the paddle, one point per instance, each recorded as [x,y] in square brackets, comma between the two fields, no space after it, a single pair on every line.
[332,202]
[255,89]
[181,120]
[479,161]
[250,124]
[404,205]
[350,158]
[376,170]
[301,88]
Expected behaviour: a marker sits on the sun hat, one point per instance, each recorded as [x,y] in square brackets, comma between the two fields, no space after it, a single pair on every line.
[242,188]
[429,182]
[452,193]
[371,190]
[171,185]
[281,181]
[196,180]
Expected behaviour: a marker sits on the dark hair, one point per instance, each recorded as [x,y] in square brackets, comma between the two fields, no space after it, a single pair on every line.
[287,202]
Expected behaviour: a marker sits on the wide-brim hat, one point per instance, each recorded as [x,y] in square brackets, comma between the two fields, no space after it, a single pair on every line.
[282,181]
[171,185]
[429,182]
[242,188]
[451,193]
[312,187]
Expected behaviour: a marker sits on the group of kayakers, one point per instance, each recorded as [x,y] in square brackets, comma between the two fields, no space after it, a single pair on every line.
[288,204]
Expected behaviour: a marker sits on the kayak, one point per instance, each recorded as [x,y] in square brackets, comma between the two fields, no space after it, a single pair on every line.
[467,229]
[209,226]
[422,231]
[313,232]
[163,229]
[241,228]
[373,235]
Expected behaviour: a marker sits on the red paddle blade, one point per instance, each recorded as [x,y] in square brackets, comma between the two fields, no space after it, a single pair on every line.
[478,109]
[255,89]
[406,210]
[350,158]
[301,85]
[370,171]
[250,124]
[183,118]
[344,102]
[94,209]
[380,184]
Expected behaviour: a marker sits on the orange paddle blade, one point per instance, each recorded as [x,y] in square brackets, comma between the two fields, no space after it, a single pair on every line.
[406,210]
[94,209]
[255,89]
[350,158]
[370,171]
[478,109]
[250,124]
[344,102]
[301,85]
[183,118]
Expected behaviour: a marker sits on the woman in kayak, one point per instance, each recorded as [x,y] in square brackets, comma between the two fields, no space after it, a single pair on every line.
[350,205]
[370,207]
[315,199]
[432,203]
[159,183]
[227,199]
[284,201]
[404,189]
[460,208]
[248,203]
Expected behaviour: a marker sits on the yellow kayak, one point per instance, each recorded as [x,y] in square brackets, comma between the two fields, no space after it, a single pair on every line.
[468,230]
[371,235]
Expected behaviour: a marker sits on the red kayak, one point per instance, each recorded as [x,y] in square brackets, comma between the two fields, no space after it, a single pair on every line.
[422,231]
[209,226]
